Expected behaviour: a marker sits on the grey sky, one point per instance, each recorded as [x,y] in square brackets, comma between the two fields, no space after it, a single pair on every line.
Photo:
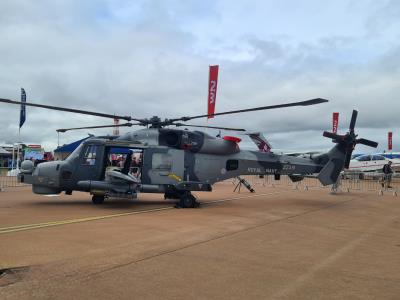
[147,58]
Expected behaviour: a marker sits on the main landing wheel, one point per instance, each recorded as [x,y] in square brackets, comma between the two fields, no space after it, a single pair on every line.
[98,199]
[187,200]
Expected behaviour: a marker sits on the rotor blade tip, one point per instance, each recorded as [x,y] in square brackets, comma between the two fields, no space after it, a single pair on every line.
[321,100]
[314,101]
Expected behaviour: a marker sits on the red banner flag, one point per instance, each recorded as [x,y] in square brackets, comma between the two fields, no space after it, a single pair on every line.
[212,90]
[335,122]
[390,142]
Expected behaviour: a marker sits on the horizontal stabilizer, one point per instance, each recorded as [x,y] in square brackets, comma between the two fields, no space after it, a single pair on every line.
[261,142]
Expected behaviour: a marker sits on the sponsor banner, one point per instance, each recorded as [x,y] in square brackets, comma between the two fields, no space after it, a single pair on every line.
[33,153]
[335,122]
[212,90]
[390,141]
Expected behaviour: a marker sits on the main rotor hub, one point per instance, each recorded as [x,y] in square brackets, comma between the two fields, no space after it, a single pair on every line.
[155,122]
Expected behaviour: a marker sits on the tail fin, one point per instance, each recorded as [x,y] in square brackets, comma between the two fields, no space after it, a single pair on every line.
[339,156]
[334,162]
[261,142]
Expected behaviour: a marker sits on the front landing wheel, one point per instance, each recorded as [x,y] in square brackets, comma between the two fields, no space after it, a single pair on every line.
[98,199]
[187,200]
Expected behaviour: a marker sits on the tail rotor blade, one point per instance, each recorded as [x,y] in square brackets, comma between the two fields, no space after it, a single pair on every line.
[349,140]
[347,159]
[331,135]
[367,143]
[353,120]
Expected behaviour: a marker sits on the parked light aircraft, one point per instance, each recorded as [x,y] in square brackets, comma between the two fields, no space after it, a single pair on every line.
[371,162]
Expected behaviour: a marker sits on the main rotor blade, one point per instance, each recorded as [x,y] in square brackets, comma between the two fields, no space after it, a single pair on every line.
[353,120]
[301,103]
[213,127]
[78,111]
[100,126]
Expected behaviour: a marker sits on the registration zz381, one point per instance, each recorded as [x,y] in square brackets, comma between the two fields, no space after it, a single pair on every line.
[288,167]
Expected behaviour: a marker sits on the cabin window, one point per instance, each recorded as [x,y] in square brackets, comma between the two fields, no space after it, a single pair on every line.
[162,162]
[90,155]
[364,158]
[378,157]
[232,164]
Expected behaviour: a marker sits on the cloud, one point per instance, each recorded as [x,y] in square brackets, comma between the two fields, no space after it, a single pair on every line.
[384,19]
[148,58]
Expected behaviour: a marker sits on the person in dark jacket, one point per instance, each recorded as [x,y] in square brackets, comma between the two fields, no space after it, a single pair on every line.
[387,177]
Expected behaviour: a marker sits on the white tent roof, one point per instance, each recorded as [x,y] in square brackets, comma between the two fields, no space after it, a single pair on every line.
[2,151]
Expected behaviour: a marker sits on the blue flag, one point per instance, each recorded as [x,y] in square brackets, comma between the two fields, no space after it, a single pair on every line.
[22,115]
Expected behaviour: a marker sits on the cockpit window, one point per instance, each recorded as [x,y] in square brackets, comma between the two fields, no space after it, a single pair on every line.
[89,157]
[75,153]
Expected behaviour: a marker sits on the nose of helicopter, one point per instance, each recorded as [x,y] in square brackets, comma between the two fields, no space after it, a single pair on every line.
[45,177]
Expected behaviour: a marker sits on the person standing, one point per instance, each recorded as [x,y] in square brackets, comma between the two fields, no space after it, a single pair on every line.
[387,174]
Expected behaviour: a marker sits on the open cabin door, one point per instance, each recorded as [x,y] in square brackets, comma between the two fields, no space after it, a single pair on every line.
[116,159]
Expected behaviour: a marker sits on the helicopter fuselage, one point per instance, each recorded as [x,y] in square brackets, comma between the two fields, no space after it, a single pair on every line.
[172,161]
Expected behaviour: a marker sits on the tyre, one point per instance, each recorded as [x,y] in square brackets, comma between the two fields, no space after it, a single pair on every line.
[188,201]
[98,199]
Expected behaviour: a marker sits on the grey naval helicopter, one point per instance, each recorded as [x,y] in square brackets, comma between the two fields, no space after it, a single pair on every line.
[176,162]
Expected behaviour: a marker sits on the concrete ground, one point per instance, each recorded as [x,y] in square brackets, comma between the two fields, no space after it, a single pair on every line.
[278,243]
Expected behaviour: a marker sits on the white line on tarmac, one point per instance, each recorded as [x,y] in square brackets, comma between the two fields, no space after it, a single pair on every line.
[24,227]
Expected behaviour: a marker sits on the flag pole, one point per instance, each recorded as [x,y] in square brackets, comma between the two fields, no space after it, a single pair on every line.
[22,118]
[18,143]
[12,161]
[18,157]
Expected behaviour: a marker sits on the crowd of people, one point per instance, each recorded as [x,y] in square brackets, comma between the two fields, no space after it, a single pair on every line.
[118,160]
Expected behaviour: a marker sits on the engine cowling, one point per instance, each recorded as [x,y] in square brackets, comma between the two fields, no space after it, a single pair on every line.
[198,142]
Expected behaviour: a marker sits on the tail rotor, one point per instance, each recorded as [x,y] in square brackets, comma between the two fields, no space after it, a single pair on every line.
[349,140]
